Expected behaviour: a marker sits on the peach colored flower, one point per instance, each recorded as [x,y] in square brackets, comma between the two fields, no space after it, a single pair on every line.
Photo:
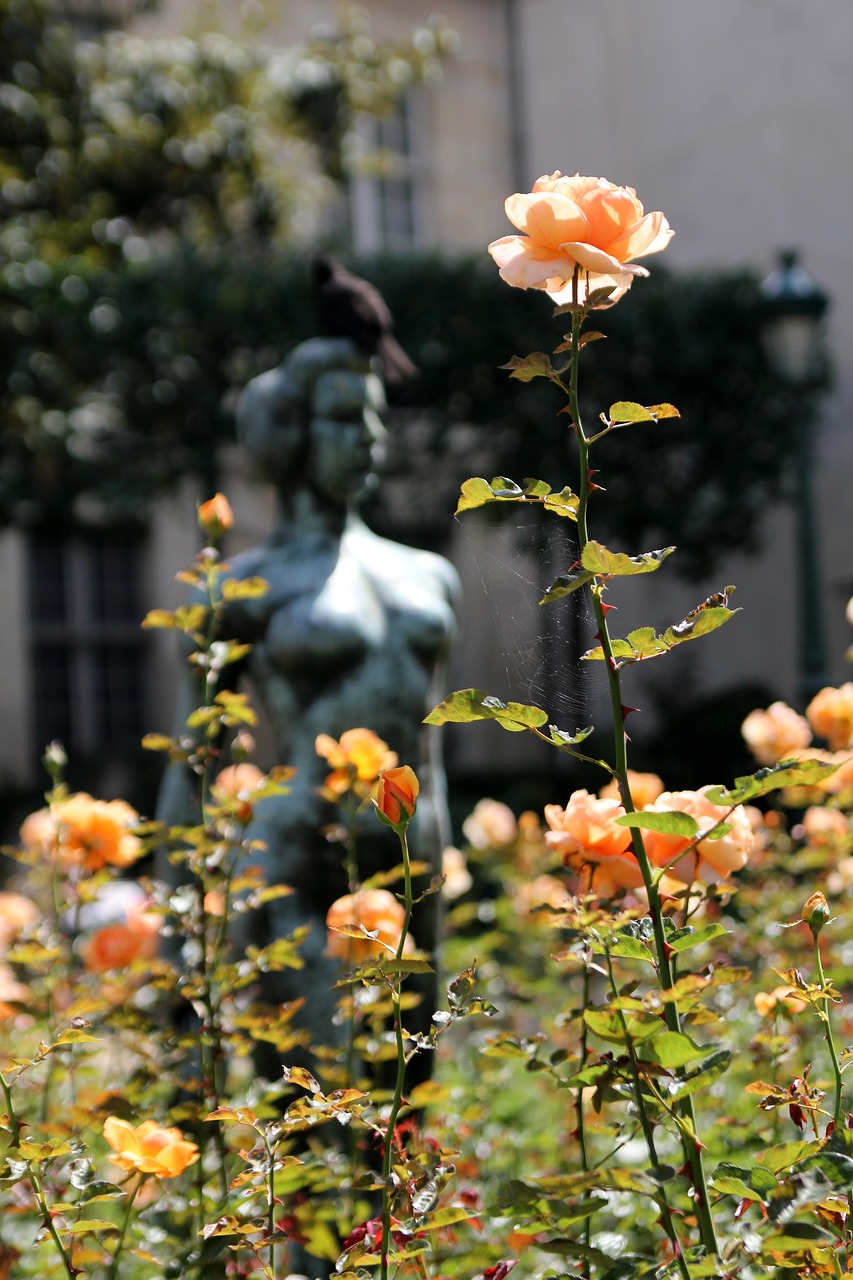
[830,714]
[149,1149]
[375,910]
[767,1002]
[118,945]
[457,878]
[233,788]
[490,825]
[822,826]
[815,912]
[644,787]
[775,734]
[586,835]
[533,897]
[711,860]
[357,761]
[585,223]
[83,832]
[11,990]
[16,913]
[215,516]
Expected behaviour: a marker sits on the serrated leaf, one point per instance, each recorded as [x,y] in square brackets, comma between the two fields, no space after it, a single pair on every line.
[626,411]
[608,1026]
[695,937]
[477,492]
[670,822]
[702,1075]
[467,705]
[787,773]
[562,737]
[87,1225]
[566,584]
[674,1049]
[645,642]
[536,365]
[601,563]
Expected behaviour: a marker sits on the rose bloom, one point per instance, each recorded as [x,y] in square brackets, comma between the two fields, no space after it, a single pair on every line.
[148,1148]
[822,826]
[357,761]
[16,913]
[710,860]
[118,945]
[830,714]
[375,910]
[588,223]
[775,734]
[84,832]
[233,788]
[215,515]
[490,825]
[397,795]
[766,1002]
[544,891]
[644,787]
[454,869]
[10,990]
[586,835]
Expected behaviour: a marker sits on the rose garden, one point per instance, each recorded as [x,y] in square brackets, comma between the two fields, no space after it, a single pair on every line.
[279,1026]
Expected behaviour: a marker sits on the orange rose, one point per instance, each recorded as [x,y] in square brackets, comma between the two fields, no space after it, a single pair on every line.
[148,1148]
[215,516]
[11,990]
[830,714]
[375,910]
[825,827]
[357,760]
[85,833]
[585,223]
[775,734]
[710,860]
[586,835]
[644,787]
[116,946]
[397,795]
[767,1002]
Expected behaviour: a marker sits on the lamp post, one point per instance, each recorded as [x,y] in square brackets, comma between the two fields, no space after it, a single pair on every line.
[793,307]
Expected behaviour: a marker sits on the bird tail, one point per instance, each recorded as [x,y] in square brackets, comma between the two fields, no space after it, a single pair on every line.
[396,365]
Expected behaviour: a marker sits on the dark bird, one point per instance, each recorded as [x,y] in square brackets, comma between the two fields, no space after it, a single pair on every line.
[349,307]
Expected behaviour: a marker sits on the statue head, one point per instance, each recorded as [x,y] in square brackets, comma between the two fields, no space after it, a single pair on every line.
[315,420]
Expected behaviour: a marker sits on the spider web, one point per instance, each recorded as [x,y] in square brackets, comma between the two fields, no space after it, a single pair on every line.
[513,647]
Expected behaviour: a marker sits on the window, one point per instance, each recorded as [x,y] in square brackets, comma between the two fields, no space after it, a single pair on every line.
[87,649]
[387,195]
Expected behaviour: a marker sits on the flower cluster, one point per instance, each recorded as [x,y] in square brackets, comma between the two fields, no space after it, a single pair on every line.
[357,760]
[587,835]
[84,833]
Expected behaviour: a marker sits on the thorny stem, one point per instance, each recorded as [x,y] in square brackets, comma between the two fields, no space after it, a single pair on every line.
[396,1103]
[646,1124]
[827,1026]
[41,1201]
[691,1145]
[580,1124]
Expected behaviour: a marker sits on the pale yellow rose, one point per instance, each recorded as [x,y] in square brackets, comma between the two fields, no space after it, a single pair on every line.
[490,825]
[579,222]
[775,734]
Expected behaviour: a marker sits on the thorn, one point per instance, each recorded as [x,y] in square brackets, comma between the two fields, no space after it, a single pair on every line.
[606,608]
[626,711]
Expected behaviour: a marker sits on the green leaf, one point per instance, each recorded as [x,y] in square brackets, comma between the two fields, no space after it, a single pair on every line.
[695,937]
[536,365]
[562,737]
[477,492]
[86,1225]
[670,822]
[625,411]
[566,584]
[602,563]
[674,1049]
[645,643]
[607,1025]
[704,1074]
[467,705]
[787,773]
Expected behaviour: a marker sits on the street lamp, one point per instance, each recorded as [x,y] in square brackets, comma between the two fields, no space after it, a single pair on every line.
[793,307]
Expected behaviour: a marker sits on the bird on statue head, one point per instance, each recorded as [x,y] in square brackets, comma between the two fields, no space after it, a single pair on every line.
[349,307]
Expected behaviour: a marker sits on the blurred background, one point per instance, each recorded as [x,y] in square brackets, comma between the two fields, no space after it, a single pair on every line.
[166,171]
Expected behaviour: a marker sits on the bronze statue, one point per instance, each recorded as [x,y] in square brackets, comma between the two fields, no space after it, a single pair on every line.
[353,631]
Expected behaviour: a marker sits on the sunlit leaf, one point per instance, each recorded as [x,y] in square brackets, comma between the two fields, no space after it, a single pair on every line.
[536,365]
[672,823]
[787,773]
[602,563]
[626,411]
[467,705]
